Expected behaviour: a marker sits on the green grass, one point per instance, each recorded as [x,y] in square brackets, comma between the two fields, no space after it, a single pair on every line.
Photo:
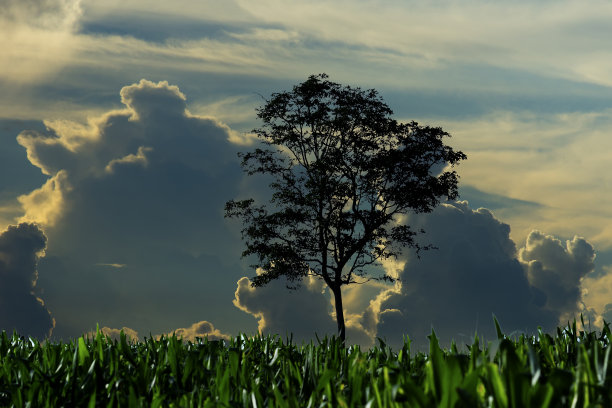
[569,369]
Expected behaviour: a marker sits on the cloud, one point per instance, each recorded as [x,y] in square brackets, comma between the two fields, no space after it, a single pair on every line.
[49,14]
[143,186]
[155,127]
[45,205]
[523,36]
[115,334]
[475,273]
[557,161]
[597,296]
[303,312]
[199,330]
[557,270]
[112,265]
[32,31]
[279,310]
[22,310]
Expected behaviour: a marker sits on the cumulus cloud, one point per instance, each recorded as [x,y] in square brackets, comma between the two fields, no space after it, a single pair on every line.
[46,204]
[115,334]
[192,333]
[155,127]
[557,270]
[476,273]
[279,310]
[142,186]
[21,309]
[303,312]
[199,330]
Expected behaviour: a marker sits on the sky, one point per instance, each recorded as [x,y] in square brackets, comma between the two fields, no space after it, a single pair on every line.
[120,124]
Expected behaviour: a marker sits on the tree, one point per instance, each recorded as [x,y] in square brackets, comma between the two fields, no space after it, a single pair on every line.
[343,173]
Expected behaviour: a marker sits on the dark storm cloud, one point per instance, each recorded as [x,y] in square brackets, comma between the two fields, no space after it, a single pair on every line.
[475,273]
[142,187]
[20,308]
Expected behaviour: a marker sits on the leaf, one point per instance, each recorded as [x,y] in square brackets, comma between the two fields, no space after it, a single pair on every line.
[435,365]
[500,334]
[92,400]
[534,366]
[497,385]
[83,352]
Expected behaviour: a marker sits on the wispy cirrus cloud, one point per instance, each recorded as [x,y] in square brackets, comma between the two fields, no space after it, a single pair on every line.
[545,37]
[32,31]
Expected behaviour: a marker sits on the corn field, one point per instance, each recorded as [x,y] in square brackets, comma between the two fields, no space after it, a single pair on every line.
[568,369]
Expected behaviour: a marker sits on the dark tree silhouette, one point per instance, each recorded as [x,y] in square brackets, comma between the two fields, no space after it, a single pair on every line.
[343,172]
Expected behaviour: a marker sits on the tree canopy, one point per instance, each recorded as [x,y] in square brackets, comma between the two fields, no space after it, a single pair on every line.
[343,173]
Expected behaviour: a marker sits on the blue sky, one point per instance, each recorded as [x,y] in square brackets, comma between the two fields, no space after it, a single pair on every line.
[119,127]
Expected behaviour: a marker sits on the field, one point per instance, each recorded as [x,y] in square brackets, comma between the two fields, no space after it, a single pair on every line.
[568,369]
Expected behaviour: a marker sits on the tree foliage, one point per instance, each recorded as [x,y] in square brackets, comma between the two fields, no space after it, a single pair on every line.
[344,173]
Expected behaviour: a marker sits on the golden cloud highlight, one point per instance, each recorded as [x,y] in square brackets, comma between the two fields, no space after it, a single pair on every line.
[46,204]
[202,329]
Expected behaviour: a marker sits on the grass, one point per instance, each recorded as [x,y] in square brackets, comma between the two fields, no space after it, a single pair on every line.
[569,369]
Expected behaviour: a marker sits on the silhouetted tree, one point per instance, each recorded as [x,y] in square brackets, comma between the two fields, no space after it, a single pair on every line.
[343,172]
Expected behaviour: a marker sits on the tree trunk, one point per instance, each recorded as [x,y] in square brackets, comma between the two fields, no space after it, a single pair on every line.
[339,312]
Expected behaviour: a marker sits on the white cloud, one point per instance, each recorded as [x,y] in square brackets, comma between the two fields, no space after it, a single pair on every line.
[48,14]
[36,38]
[446,47]
[545,38]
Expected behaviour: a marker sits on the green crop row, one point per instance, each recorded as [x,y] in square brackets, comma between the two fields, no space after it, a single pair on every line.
[570,369]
